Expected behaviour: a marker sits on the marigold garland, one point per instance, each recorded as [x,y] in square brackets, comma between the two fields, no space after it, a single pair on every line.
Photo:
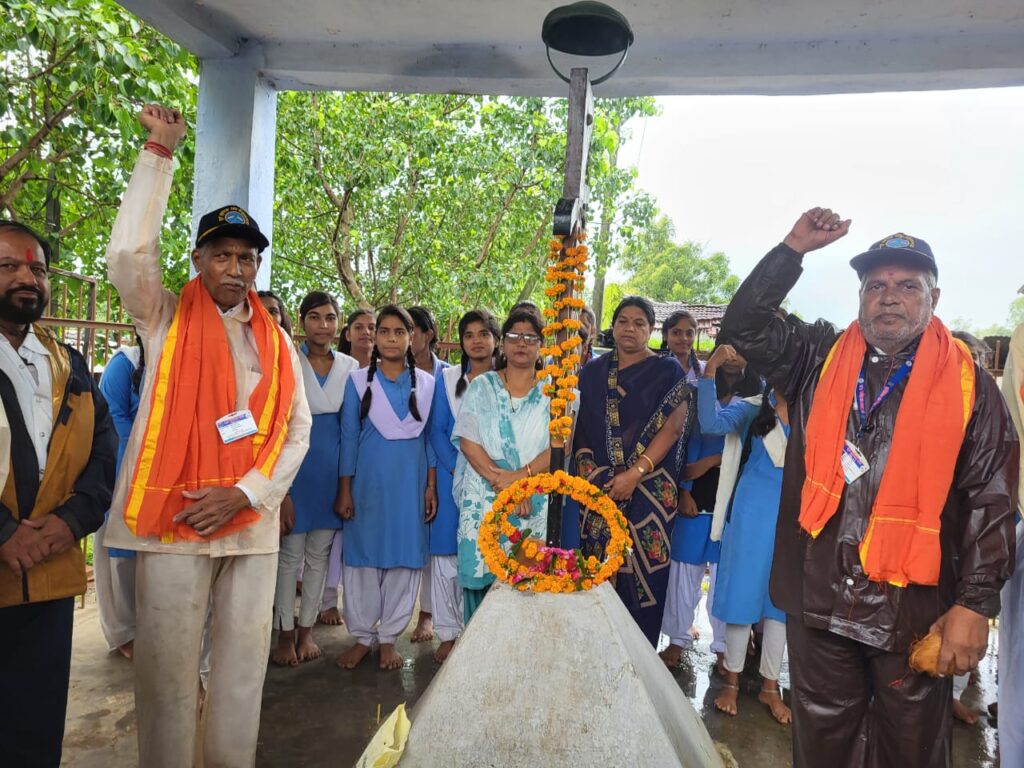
[530,565]
[568,269]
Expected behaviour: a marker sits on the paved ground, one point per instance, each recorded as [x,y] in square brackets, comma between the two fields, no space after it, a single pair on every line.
[318,715]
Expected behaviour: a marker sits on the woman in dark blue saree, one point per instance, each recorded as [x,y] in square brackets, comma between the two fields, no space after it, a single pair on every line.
[630,440]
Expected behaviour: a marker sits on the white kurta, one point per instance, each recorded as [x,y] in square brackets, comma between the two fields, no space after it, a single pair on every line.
[133,264]
[1011,622]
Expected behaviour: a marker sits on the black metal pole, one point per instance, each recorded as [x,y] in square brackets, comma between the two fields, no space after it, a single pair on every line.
[569,222]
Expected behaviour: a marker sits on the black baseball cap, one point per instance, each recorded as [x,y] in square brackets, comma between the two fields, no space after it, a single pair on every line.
[231,221]
[896,249]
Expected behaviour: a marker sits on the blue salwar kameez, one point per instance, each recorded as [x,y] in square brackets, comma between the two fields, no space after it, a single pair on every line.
[388,485]
[748,541]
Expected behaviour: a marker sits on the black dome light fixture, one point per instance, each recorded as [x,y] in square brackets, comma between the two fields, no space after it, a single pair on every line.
[587,29]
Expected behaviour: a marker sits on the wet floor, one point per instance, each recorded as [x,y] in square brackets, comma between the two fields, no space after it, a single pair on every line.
[318,715]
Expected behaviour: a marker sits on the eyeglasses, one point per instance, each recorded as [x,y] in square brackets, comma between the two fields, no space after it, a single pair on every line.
[526,338]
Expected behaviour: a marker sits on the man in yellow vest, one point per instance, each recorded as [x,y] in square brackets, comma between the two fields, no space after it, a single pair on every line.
[57,451]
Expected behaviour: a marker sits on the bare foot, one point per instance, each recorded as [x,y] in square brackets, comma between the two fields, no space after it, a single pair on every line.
[726,700]
[306,648]
[720,664]
[964,714]
[443,650]
[671,656]
[424,631]
[390,658]
[127,650]
[773,698]
[331,617]
[350,659]
[284,654]
[695,633]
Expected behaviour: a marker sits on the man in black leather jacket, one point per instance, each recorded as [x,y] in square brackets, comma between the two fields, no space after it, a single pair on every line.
[855,702]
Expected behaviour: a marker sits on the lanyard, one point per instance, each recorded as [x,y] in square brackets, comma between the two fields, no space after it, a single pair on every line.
[894,379]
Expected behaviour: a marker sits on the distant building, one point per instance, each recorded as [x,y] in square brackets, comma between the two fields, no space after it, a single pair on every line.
[708,316]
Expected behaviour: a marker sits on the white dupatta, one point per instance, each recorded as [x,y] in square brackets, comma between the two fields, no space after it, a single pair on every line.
[451,376]
[774,443]
[383,416]
[328,398]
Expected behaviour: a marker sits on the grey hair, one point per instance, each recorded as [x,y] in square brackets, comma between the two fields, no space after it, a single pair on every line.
[931,281]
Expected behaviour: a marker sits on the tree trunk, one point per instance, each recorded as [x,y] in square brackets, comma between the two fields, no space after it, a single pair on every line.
[540,264]
[341,247]
[601,262]
[53,225]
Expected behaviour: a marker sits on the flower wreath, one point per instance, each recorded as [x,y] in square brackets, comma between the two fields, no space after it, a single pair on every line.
[530,564]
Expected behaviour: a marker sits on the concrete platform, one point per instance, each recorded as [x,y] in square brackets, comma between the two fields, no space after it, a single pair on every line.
[559,681]
[318,716]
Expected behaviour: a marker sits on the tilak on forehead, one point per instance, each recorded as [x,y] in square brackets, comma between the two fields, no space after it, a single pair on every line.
[29,255]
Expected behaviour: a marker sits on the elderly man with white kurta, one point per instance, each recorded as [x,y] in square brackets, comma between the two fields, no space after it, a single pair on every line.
[221,431]
[1011,623]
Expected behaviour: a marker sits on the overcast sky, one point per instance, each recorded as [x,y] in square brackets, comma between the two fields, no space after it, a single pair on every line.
[734,172]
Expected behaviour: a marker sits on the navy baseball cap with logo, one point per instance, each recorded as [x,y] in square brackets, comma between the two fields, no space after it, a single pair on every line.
[896,249]
[231,221]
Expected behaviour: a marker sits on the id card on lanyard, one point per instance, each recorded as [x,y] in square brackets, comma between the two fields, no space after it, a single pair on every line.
[853,461]
[891,383]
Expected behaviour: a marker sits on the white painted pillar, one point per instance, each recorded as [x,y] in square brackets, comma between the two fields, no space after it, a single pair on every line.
[236,119]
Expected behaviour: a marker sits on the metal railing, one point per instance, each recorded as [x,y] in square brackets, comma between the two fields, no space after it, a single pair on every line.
[87,316]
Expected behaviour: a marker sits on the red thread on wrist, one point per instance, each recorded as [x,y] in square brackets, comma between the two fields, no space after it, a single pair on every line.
[158,149]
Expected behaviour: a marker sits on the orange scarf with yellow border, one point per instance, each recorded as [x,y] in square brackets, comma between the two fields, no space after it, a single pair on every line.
[901,545]
[194,386]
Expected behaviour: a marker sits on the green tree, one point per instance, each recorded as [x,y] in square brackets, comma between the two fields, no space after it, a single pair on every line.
[621,211]
[613,294]
[444,200]
[1014,318]
[73,74]
[663,270]
[1016,312]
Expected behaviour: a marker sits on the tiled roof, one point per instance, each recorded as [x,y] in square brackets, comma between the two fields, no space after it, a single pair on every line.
[706,314]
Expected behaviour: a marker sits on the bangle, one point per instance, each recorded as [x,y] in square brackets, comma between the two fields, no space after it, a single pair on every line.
[158,149]
[645,457]
[529,472]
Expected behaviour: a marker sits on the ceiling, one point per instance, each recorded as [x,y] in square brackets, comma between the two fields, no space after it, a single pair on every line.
[682,46]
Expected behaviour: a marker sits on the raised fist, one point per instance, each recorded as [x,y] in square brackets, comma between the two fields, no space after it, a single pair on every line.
[723,355]
[815,229]
[166,126]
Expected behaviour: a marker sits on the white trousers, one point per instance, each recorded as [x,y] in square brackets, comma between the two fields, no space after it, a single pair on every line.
[379,602]
[330,598]
[681,602]
[960,683]
[737,637]
[173,594]
[311,549]
[426,592]
[445,596]
[1011,664]
[115,593]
